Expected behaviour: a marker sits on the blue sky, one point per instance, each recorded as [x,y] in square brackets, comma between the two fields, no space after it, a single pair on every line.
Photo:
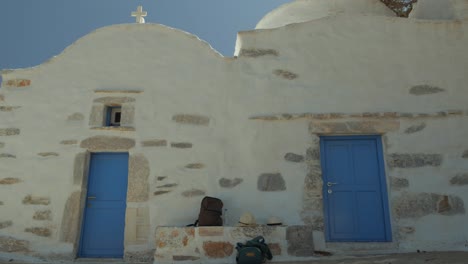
[32,31]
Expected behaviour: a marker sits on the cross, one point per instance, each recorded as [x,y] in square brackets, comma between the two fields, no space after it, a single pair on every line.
[140,15]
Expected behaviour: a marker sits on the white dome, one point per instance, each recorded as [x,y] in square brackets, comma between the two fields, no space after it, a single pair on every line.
[306,10]
[440,10]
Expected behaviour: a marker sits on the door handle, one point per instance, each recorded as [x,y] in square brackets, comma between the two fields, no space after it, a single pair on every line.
[91,197]
[330,184]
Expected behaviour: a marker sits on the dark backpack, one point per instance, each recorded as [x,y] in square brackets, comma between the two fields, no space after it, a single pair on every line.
[211,210]
[255,251]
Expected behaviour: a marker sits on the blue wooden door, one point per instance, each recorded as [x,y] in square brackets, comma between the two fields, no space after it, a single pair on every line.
[102,234]
[354,189]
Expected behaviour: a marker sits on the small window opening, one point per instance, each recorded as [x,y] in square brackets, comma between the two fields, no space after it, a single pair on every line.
[114,114]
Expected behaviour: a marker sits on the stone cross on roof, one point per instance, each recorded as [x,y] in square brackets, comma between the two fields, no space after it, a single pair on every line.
[140,15]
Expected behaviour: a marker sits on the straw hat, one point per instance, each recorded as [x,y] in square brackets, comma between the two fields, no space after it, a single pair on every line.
[247,219]
[274,221]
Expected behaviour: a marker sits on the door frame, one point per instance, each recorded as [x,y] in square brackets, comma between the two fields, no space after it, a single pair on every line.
[83,200]
[382,178]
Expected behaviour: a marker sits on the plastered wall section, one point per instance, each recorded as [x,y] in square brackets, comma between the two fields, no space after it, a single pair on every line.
[239,126]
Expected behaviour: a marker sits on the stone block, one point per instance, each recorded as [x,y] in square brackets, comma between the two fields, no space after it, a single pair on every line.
[410,205]
[8,108]
[270,182]
[69,142]
[169,185]
[2,144]
[7,156]
[7,181]
[79,168]
[313,153]
[195,166]
[285,74]
[128,115]
[97,116]
[230,183]
[160,192]
[139,256]
[182,145]
[71,218]
[75,117]
[10,244]
[313,181]
[415,128]
[161,178]
[9,131]
[2,97]
[416,160]
[211,231]
[107,143]
[5,224]
[275,249]
[300,241]
[193,192]
[460,179]
[138,174]
[465,154]
[217,249]
[154,143]
[398,183]
[354,127]
[18,83]
[39,231]
[198,120]
[184,258]
[425,89]
[114,101]
[48,154]
[405,230]
[29,199]
[292,157]
[254,52]
[43,215]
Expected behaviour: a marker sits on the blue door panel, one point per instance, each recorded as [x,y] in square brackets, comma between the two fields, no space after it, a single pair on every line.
[102,234]
[355,205]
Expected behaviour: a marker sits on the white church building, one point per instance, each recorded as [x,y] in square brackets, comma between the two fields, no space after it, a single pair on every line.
[344,121]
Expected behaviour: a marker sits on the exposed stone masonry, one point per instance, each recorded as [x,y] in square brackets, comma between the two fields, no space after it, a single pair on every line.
[181,145]
[379,115]
[154,143]
[300,241]
[413,160]
[229,183]
[460,179]
[39,231]
[415,128]
[43,215]
[270,182]
[10,244]
[6,155]
[191,119]
[17,83]
[425,89]
[6,224]
[415,205]
[9,131]
[6,181]
[102,143]
[8,108]
[195,166]
[48,154]
[293,157]
[36,200]
[193,192]
[253,53]
[285,74]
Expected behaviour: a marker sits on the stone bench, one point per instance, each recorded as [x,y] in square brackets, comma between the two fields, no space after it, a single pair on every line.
[217,244]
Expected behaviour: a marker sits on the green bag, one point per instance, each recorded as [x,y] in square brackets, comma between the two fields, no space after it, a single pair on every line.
[255,251]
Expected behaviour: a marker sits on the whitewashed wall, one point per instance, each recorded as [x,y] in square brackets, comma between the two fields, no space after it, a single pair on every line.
[260,107]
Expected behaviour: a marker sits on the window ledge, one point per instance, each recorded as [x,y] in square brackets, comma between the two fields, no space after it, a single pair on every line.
[111,128]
